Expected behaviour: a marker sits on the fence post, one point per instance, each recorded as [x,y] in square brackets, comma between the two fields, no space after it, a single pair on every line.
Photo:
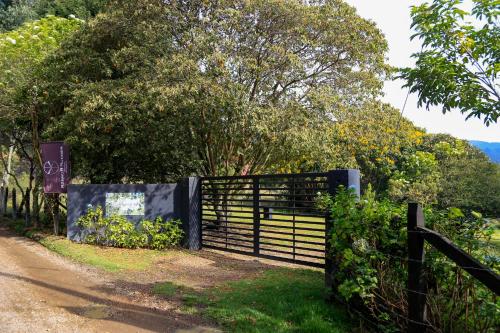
[14,204]
[191,212]
[27,210]
[417,286]
[350,178]
[256,216]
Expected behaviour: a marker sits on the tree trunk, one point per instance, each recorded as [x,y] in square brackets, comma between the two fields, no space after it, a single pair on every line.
[6,172]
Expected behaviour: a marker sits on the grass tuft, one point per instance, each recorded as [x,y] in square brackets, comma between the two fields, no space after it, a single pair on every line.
[165,289]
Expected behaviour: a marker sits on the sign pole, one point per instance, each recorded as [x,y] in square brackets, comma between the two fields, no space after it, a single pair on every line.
[56,214]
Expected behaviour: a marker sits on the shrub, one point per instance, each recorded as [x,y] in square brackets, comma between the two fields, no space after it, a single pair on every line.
[369,251]
[162,234]
[119,232]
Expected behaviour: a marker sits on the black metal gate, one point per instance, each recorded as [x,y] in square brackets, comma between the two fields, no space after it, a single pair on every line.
[269,216]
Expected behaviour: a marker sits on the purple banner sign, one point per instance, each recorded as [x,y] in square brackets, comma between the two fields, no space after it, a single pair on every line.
[55,167]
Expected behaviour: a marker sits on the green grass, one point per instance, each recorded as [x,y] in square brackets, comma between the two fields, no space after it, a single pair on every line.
[281,300]
[107,258]
[165,289]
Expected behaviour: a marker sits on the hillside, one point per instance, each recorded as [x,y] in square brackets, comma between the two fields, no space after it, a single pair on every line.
[492,149]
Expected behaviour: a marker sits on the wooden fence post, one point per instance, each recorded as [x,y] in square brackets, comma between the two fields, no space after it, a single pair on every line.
[256,216]
[417,285]
[14,204]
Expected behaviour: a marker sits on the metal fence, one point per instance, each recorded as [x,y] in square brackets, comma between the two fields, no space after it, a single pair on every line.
[269,216]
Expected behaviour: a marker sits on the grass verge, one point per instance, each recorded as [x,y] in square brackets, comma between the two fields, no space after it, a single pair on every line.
[280,300]
[108,258]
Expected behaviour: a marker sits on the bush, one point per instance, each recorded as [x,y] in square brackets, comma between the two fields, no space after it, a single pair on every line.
[369,250]
[119,232]
[162,234]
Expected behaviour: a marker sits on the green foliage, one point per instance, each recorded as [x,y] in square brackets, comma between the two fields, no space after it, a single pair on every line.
[369,247]
[83,9]
[417,179]
[468,179]
[15,13]
[282,300]
[377,138]
[459,64]
[12,15]
[211,100]
[119,232]
[162,234]
[22,50]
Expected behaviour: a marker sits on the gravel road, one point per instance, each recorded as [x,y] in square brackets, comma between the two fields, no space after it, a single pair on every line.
[43,292]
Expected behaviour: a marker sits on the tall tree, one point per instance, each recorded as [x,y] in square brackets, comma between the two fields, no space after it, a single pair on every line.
[21,53]
[458,66]
[242,85]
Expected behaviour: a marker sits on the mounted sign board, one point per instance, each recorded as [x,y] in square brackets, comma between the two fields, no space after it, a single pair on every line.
[55,166]
[128,204]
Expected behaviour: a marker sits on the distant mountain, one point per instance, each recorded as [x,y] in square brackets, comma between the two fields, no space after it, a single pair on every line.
[492,149]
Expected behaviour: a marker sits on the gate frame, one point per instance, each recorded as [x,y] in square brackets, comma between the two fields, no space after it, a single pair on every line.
[349,178]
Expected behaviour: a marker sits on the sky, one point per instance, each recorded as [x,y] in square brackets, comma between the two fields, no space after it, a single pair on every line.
[393,18]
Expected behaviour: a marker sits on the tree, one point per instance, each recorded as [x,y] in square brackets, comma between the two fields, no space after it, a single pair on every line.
[469,180]
[376,137]
[21,53]
[14,13]
[212,88]
[459,63]
[82,9]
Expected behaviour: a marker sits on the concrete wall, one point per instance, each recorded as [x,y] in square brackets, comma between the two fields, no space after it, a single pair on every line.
[179,200]
[159,200]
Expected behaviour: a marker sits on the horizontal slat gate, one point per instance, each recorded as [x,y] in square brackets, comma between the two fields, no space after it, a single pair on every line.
[269,216]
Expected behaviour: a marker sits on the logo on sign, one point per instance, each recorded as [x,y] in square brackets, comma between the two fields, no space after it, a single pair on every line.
[50,167]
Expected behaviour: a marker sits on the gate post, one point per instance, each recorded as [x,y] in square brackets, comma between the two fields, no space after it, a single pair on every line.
[417,288]
[349,178]
[191,212]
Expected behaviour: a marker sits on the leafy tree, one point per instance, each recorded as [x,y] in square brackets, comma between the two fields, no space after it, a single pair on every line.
[83,9]
[376,137]
[417,179]
[229,87]
[459,64]
[16,12]
[21,53]
[469,180]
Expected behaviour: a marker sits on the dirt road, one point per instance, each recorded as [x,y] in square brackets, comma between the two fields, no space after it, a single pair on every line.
[42,292]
